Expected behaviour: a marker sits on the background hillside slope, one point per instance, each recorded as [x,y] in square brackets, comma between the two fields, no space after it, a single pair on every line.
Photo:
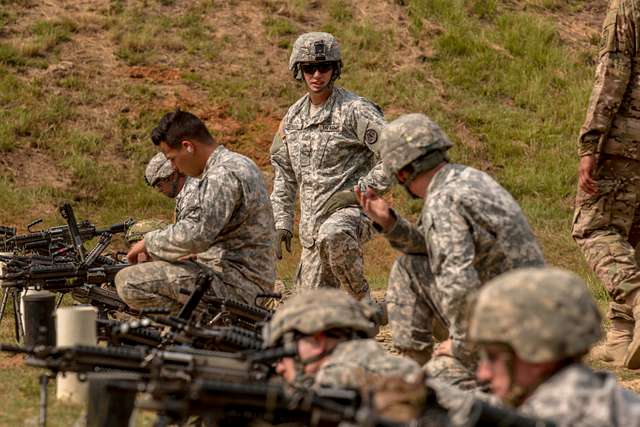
[83,82]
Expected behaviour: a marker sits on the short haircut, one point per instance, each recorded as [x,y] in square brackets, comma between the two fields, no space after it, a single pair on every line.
[178,126]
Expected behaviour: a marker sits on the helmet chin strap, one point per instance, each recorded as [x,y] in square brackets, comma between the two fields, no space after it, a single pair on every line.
[301,377]
[174,186]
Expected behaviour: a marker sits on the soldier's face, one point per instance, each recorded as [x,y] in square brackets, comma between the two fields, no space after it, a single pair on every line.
[309,348]
[286,368]
[182,158]
[494,368]
[511,378]
[171,186]
[317,76]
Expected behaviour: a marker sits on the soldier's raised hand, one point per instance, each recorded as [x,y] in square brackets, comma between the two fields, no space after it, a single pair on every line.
[375,208]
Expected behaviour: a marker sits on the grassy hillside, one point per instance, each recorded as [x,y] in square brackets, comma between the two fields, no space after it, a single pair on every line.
[83,82]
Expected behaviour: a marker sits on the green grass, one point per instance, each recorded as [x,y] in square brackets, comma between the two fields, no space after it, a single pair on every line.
[496,75]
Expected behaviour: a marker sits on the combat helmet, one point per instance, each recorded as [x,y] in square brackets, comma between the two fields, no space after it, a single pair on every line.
[137,231]
[413,139]
[542,314]
[318,310]
[159,167]
[315,47]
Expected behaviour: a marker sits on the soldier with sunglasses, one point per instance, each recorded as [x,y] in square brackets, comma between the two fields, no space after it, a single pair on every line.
[326,144]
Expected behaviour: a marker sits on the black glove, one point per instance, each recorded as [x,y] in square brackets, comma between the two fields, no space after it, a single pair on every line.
[285,236]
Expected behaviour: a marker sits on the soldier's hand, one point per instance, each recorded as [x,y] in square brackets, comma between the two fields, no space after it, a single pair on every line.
[375,207]
[137,252]
[283,236]
[586,173]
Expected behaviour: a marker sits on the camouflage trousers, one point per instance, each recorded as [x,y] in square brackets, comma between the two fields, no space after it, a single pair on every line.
[409,304]
[336,259]
[415,316]
[606,227]
[158,283]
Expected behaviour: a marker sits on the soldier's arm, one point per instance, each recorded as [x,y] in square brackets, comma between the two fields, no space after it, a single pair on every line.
[405,236]
[368,120]
[612,78]
[218,199]
[449,239]
[285,185]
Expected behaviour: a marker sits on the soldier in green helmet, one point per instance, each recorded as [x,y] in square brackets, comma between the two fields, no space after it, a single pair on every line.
[326,144]
[334,342]
[469,231]
[533,326]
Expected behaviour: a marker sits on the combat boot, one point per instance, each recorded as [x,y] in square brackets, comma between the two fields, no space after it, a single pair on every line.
[618,339]
[632,359]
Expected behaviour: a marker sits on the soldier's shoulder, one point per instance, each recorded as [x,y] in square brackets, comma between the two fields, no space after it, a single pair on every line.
[234,163]
[356,102]
[295,108]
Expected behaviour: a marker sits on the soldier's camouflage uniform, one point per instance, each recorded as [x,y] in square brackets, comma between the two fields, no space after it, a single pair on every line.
[580,397]
[470,230]
[321,156]
[606,226]
[187,197]
[547,315]
[350,362]
[230,229]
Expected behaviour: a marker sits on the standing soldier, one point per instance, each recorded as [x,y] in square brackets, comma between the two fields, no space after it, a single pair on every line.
[606,223]
[470,230]
[326,144]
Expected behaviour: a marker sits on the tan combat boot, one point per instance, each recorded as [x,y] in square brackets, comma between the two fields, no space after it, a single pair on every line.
[632,359]
[618,339]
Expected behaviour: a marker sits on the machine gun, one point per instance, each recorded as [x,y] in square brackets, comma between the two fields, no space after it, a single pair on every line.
[227,312]
[55,238]
[224,403]
[143,332]
[59,277]
[104,299]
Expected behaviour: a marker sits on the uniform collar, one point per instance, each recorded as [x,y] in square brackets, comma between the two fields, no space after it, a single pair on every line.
[211,161]
[324,112]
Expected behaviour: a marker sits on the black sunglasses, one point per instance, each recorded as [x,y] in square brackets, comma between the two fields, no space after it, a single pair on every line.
[323,67]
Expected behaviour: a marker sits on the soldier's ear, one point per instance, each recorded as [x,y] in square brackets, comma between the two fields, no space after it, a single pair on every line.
[188,145]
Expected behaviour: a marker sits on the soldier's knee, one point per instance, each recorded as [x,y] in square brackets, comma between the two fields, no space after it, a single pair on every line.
[401,265]
[335,240]
[125,282]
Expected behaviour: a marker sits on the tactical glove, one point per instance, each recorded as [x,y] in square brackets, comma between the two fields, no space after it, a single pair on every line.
[285,236]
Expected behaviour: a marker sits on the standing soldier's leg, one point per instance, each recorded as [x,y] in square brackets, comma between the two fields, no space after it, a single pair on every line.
[602,227]
[313,272]
[339,244]
[410,317]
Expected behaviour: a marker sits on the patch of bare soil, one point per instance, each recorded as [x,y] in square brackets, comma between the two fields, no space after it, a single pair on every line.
[31,168]
[14,361]
[155,74]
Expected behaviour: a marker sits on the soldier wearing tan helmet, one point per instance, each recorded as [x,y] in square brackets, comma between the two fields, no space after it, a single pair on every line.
[326,144]
[470,230]
[533,327]
[161,175]
[333,335]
